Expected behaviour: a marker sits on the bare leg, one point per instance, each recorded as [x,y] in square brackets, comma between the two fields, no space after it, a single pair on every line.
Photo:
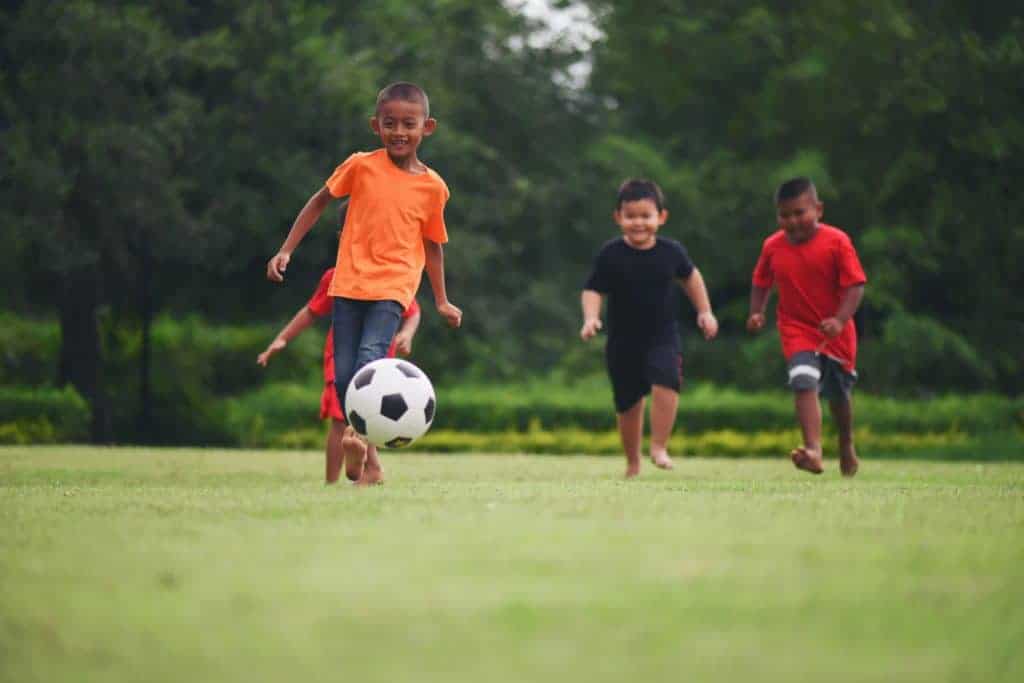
[334,451]
[354,449]
[664,404]
[842,413]
[631,431]
[808,412]
[372,472]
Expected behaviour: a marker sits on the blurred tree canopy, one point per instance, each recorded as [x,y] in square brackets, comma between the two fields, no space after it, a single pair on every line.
[155,154]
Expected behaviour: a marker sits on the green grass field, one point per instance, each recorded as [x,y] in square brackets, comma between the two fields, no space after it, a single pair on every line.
[191,565]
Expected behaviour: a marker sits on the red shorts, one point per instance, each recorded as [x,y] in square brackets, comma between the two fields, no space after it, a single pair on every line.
[330,406]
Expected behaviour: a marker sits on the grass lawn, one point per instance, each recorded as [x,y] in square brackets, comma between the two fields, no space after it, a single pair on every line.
[192,565]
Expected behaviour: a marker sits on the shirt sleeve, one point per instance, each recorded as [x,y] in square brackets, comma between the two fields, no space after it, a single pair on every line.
[684,266]
[599,279]
[412,310]
[320,304]
[341,181]
[851,273]
[435,229]
[763,275]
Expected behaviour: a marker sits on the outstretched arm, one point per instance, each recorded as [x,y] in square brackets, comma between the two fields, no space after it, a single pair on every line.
[591,303]
[758,302]
[849,302]
[307,217]
[435,272]
[303,319]
[697,293]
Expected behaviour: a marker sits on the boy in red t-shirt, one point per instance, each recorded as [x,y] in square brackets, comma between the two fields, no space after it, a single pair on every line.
[320,306]
[820,283]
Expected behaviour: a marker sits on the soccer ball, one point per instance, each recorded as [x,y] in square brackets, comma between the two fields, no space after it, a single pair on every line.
[390,402]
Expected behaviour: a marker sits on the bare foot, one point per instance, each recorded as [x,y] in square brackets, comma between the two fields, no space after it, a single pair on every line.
[632,469]
[354,450]
[371,477]
[807,459]
[661,460]
[848,463]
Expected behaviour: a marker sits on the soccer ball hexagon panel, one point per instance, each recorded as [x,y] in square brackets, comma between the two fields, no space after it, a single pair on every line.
[390,402]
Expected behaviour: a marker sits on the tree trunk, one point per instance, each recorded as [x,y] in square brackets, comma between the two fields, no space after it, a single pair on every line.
[81,360]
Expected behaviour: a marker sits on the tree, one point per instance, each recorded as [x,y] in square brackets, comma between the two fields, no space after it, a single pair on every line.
[97,125]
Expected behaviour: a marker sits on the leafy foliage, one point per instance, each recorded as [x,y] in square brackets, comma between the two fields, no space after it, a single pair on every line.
[156,154]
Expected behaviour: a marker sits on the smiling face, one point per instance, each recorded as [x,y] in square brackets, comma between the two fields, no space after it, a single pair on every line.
[640,220]
[401,126]
[799,216]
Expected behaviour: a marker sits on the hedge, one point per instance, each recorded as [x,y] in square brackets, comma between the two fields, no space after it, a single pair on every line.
[731,443]
[42,415]
[587,405]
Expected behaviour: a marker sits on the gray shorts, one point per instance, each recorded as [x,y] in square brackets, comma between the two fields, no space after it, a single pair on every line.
[809,370]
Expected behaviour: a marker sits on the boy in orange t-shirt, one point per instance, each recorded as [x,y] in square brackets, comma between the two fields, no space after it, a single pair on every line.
[394,230]
[319,306]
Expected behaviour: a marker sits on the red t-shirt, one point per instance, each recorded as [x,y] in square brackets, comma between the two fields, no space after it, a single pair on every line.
[321,305]
[810,278]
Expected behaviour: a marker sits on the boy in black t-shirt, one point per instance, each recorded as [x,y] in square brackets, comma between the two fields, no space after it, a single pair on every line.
[637,273]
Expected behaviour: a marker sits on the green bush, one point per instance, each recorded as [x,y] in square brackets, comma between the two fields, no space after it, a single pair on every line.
[31,350]
[42,415]
[587,404]
[919,355]
[254,419]
[729,443]
[261,416]
[196,366]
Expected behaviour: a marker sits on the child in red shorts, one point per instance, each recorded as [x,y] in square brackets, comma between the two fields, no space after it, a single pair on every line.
[319,306]
[820,283]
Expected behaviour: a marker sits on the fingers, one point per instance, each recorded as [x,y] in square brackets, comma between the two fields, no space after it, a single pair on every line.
[453,315]
[708,324]
[262,359]
[276,267]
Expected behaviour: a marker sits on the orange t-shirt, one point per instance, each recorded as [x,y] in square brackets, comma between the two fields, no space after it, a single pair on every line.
[390,212]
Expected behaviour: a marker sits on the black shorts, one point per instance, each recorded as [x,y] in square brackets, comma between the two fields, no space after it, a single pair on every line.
[815,371]
[634,370]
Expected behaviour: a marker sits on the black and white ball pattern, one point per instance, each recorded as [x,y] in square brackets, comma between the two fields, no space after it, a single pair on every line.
[390,402]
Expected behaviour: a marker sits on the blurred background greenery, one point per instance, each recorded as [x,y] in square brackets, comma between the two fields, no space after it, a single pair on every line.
[155,154]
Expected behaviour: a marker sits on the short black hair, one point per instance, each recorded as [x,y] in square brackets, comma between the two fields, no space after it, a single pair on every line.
[635,189]
[406,92]
[794,187]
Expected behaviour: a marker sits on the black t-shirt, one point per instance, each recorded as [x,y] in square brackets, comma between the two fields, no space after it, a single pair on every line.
[641,286]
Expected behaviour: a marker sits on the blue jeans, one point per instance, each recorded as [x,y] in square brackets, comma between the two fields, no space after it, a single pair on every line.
[363,331]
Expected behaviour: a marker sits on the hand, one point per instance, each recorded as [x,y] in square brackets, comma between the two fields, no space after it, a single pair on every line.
[274,347]
[590,328]
[755,322]
[277,265]
[403,343]
[708,324]
[831,327]
[452,314]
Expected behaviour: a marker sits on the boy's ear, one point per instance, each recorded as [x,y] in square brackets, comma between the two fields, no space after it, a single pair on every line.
[662,217]
[429,126]
[821,210]
[616,216]
[375,125]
